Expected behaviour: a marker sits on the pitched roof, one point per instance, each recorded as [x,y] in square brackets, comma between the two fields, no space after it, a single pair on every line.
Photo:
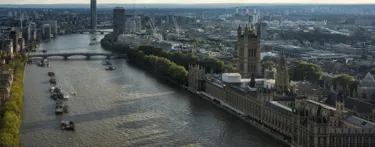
[368,81]
[350,103]
[359,122]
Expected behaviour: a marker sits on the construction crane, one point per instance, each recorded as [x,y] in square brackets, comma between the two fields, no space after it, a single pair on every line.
[154,29]
[176,26]
[152,25]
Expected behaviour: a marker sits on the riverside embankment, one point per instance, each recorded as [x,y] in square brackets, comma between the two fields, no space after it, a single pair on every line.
[124,107]
[12,108]
[140,57]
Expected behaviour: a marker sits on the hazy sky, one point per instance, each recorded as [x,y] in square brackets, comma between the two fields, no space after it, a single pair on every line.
[184,1]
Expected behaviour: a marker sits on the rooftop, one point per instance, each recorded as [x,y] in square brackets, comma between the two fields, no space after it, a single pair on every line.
[322,105]
[359,122]
[350,103]
[368,81]
[281,106]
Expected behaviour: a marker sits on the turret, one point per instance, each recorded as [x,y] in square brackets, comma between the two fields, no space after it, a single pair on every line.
[252,81]
[239,30]
[246,32]
[340,102]
[282,59]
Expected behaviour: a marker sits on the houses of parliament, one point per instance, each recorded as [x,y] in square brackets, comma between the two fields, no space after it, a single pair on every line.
[299,113]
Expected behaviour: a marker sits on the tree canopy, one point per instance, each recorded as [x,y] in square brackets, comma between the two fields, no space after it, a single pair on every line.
[211,64]
[346,82]
[372,71]
[268,65]
[11,121]
[343,79]
[306,71]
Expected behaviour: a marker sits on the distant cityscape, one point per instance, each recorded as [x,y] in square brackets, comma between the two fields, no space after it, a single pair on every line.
[304,74]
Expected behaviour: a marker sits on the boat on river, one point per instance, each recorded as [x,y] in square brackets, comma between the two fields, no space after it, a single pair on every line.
[59,108]
[106,62]
[110,68]
[52,89]
[65,96]
[67,125]
[57,96]
[52,81]
[51,74]
[57,90]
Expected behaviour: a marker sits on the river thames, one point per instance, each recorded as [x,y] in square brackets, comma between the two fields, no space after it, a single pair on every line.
[125,107]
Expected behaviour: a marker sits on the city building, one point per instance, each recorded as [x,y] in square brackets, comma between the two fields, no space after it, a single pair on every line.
[133,24]
[21,43]
[13,35]
[53,26]
[296,113]
[255,17]
[6,45]
[6,80]
[46,30]
[366,88]
[119,20]
[263,30]
[248,52]
[10,14]
[93,18]
[282,78]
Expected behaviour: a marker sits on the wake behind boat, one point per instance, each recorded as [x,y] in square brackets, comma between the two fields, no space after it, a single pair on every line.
[93,43]
[110,68]
[106,62]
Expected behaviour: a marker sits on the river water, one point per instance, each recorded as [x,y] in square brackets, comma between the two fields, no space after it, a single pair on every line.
[125,107]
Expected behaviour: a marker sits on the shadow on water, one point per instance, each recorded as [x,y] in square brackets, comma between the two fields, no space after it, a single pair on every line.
[45,82]
[159,139]
[156,77]
[141,123]
[49,109]
[124,109]
[162,133]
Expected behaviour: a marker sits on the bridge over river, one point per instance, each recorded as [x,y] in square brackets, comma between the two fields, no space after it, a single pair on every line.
[84,54]
[92,31]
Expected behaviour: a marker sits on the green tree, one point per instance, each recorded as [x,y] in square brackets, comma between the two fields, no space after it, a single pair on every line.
[11,121]
[372,71]
[268,65]
[170,64]
[343,80]
[306,71]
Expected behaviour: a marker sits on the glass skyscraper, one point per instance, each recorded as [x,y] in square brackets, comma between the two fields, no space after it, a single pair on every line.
[93,19]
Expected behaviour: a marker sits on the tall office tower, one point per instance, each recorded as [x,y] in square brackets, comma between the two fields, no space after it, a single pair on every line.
[93,14]
[248,52]
[13,35]
[263,30]
[119,20]
[255,17]
[53,26]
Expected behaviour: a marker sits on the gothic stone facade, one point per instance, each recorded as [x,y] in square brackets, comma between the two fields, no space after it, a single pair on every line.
[304,122]
[248,52]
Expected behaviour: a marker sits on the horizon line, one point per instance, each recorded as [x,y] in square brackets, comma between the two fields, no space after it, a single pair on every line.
[200,3]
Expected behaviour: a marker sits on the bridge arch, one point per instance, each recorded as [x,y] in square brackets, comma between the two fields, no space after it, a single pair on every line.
[67,55]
